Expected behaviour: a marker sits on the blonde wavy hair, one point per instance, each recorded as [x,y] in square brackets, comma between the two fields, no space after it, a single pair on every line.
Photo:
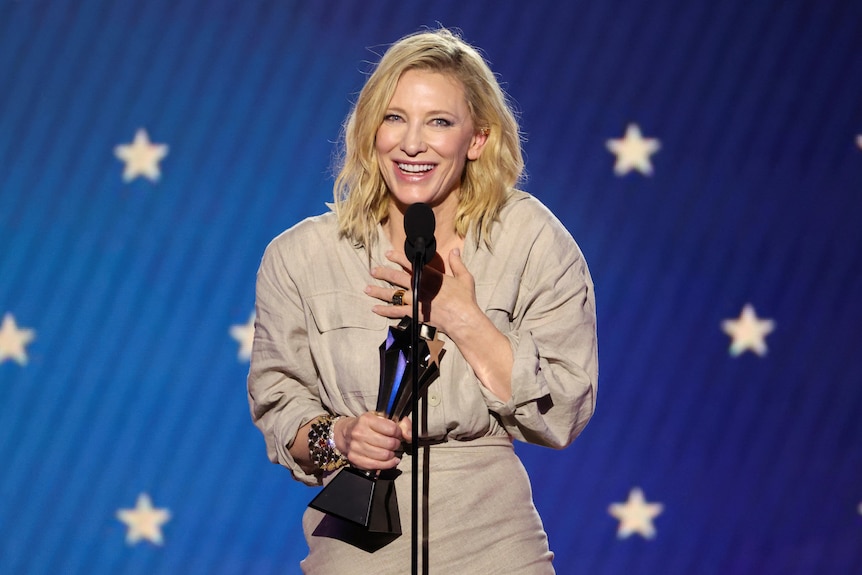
[361,195]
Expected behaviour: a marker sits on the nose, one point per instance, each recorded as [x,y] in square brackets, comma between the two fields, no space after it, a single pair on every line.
[413,142]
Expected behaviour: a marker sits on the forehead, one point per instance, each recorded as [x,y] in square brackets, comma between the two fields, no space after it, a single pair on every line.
[417,86]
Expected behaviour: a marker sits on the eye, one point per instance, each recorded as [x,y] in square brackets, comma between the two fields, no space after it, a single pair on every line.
[441,123]
[391,118]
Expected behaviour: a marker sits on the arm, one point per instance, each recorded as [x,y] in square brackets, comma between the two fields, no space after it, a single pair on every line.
[485,348]
[530,341]
[552,334]
[283,385]
[282,393]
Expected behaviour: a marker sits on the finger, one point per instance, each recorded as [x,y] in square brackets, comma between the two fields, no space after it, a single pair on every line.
[399,258]
[406,427]
[385,294]
[378,431]
[376,422]
[395,277]
[372,453]
[383,426]
[393,311]
[456,264]
[373,464]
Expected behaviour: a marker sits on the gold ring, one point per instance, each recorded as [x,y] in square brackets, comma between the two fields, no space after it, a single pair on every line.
[398,297]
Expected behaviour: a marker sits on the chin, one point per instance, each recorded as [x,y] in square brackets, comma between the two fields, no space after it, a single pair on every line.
[409,199]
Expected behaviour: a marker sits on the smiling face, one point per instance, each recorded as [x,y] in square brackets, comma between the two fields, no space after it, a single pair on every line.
[425,139]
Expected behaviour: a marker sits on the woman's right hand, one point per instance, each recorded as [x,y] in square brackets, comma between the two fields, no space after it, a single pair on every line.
[371,441]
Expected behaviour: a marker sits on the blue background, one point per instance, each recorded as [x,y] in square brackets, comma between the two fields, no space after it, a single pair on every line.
[134,384]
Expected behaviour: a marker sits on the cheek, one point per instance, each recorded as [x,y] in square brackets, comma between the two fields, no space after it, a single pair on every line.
[385,140]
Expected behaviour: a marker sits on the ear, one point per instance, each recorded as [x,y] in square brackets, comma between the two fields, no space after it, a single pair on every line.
[477,144]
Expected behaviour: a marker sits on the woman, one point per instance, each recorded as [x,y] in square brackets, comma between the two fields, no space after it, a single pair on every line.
[513,302]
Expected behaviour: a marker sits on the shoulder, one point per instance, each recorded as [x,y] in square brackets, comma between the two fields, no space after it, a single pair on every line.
[311,235]
[525,217]
[531,233]
[299,250]
[314,227]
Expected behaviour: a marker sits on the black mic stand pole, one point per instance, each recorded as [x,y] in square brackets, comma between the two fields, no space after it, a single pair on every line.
[414,368]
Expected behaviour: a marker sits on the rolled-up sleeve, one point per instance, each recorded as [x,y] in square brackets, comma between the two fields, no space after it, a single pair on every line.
[552,331]
[282,390]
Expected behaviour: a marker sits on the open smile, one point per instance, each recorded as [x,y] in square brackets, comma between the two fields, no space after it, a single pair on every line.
[414,169]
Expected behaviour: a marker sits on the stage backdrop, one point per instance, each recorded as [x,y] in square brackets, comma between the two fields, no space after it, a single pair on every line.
[707,156]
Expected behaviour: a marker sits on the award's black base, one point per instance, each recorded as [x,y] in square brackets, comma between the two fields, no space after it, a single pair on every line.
[361,498]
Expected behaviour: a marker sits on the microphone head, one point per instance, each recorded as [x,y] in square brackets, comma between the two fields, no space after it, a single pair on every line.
[419,224]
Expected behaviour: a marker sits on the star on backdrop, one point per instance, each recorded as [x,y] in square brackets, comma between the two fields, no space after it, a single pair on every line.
[859,141]
[244,335]
[13,341]
[142,157]
[636,515]
[633,151]
[748,332]
[144,521]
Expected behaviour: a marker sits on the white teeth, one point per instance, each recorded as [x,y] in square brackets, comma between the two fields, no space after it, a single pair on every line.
[415,168]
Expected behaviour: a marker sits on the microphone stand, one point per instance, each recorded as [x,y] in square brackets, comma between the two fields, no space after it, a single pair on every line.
[414,368]
[419,225]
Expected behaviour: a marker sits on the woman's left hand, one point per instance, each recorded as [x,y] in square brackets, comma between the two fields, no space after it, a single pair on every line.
[446,301]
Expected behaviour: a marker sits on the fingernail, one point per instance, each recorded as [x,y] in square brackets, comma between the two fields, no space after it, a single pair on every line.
[457,252]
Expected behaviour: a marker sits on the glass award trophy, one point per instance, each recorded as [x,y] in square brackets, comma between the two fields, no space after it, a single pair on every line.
[367,497]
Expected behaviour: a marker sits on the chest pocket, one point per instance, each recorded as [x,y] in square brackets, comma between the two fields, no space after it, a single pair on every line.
[343,309]
[345,348]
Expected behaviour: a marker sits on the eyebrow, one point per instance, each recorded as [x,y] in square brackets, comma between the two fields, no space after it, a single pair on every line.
[429,113]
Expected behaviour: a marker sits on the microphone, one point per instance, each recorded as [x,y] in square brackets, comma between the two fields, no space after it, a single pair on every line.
[419,224]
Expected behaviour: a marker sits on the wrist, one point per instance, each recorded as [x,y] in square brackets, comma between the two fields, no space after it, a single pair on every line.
[322,450]
[336,435]
[472,325]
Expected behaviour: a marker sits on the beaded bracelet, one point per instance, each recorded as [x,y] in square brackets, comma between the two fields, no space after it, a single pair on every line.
[321,444]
